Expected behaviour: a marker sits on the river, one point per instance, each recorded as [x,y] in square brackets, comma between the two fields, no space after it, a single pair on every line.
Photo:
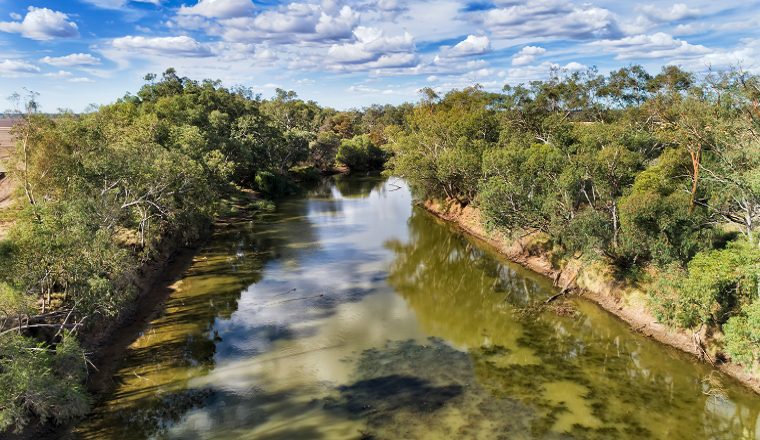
[348,313]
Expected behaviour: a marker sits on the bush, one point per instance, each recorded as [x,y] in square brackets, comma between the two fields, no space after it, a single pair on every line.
[273,185]
[263,205]
[718,284]
[360,153]
[39,381]
[663,228]
[743,335]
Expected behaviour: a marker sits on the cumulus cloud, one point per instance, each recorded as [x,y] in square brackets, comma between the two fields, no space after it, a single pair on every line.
[296,23]
[59,74]
[80,80]
[219,8]
[18,66]
[432,78]
[677,12]
[683,30]
[15,16]
[73,60]
[470,46]
[547,18]
[167,46]
[42,24]
[659,45]
[527,55]
[370,50]
[371,46]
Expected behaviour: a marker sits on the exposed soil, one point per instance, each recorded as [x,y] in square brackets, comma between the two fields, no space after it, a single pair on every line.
[156,281]
[617,299]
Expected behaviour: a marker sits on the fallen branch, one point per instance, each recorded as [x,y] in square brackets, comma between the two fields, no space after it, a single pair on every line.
[24,327]
[565,289]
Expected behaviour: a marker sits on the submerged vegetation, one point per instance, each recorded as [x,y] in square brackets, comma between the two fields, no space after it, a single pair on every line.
[655,176]
[105,192]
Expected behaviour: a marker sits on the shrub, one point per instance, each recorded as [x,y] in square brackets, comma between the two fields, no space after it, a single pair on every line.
[360,153]
[273,185]
[38,380]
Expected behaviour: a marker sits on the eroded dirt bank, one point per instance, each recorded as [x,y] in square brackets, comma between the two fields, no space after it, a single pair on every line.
[625,302]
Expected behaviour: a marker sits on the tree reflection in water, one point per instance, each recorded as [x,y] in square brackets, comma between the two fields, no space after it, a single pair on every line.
[587,376]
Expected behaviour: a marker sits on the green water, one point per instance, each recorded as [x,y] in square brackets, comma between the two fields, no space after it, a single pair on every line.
[349,314]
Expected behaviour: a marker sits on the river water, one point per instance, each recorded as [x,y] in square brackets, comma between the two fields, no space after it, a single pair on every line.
[350,314]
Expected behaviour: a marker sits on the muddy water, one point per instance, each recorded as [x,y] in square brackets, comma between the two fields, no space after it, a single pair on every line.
[349,314]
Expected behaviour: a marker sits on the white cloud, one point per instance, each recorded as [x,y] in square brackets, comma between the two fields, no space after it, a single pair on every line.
[219,8]
[659,45]
[527,55]
[18,66]
[389,10]
[142,29]
[272,86]
[80,80]
[531,73]
[432,78]
[42,24]
[470,46]
[73,60]
[167,46]
[747,58]
[118,4]
[265,55]
[59,74]
[297,23]
[677,12]
[572,66]
[738,25]
[371,47]
[683,30]
[547,18]
[362,89]
[15,16]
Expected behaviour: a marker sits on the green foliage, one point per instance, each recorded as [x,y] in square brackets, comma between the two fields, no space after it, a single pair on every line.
[743,335]
[273,185]
[712,290]
[305,174]
[264,206]
[360,153]
[37,380]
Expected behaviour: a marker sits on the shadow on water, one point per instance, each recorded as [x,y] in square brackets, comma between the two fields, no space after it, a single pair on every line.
[469,352]
[586,376]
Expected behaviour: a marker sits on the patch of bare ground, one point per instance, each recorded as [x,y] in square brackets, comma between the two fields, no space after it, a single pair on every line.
[597,285]
[6,201]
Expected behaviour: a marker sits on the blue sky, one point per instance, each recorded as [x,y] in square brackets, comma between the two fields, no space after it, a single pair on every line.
[353,53]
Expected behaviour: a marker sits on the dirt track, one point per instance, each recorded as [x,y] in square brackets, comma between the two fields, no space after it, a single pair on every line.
[6,144]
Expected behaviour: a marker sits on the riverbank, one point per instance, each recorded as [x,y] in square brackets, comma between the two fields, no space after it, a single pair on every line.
[155,280]
[624,301]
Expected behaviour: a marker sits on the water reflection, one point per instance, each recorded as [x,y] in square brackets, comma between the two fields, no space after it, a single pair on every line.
[346,314]
[587,376]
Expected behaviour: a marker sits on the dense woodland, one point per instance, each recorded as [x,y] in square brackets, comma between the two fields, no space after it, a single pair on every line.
[655,176]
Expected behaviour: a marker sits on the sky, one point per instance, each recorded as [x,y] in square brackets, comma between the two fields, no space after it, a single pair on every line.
[349,54]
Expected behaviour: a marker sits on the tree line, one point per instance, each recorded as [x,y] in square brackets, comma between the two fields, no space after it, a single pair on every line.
[655,176]
[102,192]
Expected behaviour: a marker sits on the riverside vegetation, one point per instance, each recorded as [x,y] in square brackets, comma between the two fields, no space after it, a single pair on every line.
[653,176]
[102,193]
